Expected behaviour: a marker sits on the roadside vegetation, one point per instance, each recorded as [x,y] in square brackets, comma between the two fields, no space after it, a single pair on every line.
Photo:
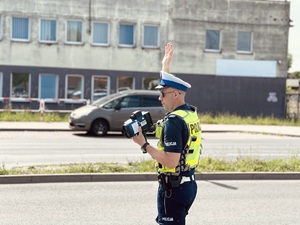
[233,119]
[208,164]
[33,117]
[205,118]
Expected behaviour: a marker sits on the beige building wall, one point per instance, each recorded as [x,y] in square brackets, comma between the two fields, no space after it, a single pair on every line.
[60,54]
[184,22]
[268,20]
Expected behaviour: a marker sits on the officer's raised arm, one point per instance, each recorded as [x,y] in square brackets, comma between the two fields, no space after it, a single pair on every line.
[169,50]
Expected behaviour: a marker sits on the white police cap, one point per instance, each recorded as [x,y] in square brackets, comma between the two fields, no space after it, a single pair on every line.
[169,80]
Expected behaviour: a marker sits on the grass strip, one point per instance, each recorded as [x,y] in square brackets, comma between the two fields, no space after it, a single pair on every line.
[207,164]
[33,117]
[205,118]
[234,119]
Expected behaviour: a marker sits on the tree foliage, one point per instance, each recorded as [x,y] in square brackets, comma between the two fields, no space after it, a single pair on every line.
[290,60]
[294,75]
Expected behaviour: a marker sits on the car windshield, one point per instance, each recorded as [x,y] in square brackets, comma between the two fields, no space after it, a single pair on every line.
[105,99]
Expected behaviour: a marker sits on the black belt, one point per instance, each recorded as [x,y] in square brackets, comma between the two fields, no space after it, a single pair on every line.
[171,181]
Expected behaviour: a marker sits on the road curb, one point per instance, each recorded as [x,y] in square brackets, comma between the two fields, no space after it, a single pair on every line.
[127,177]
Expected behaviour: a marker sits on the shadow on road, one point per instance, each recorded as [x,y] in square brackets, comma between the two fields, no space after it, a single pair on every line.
[109,135]
[223,185]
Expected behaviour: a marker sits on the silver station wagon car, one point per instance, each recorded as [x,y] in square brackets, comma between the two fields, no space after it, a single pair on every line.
[110,112]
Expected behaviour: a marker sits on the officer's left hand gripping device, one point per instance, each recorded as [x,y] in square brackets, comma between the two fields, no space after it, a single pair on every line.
[138,118]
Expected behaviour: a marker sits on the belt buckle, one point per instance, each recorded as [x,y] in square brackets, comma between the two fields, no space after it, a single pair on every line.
[187,179]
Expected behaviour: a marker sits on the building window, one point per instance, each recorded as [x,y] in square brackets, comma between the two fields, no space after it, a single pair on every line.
[74,87]
[100,33]
[125,83]
[100,87]
[1,32]
[20,85]
[244,42]
[213,40]
[20,29]
[1,85]
[74,32]
[48,86]
[150,83]
[126,35]
[48,30]
[151,36]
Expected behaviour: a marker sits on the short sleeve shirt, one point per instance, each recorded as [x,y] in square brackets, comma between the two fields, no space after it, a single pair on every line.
[175,132]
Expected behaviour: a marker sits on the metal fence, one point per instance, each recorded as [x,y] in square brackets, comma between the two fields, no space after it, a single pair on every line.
[36,105]
[42,106]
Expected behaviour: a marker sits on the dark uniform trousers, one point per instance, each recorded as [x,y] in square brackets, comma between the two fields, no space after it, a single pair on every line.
[173,204]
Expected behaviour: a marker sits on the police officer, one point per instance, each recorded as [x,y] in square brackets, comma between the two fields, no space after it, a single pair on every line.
[178,150]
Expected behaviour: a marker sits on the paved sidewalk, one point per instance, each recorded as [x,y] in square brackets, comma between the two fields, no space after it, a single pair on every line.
[34,126]
[262,129]
[63,126]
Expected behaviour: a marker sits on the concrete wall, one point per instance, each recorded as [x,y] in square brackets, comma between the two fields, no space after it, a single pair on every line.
[85,55]
[183,22]
[268,20]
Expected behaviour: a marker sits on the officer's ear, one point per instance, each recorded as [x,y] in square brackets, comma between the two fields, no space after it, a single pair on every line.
[177,92]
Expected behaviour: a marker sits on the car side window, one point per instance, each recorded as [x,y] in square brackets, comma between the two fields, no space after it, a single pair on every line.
[112,104]
[150,101]
[130,102]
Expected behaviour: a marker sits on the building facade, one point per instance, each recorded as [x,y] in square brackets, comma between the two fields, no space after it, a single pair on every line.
[233,52]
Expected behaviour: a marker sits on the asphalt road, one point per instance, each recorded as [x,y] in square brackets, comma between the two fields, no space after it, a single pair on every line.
[131,203]
[23,148]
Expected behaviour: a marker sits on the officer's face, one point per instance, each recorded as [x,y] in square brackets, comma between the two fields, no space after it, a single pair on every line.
[166,97]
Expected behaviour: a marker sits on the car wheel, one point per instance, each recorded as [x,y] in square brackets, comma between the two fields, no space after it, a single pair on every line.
[99,128]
